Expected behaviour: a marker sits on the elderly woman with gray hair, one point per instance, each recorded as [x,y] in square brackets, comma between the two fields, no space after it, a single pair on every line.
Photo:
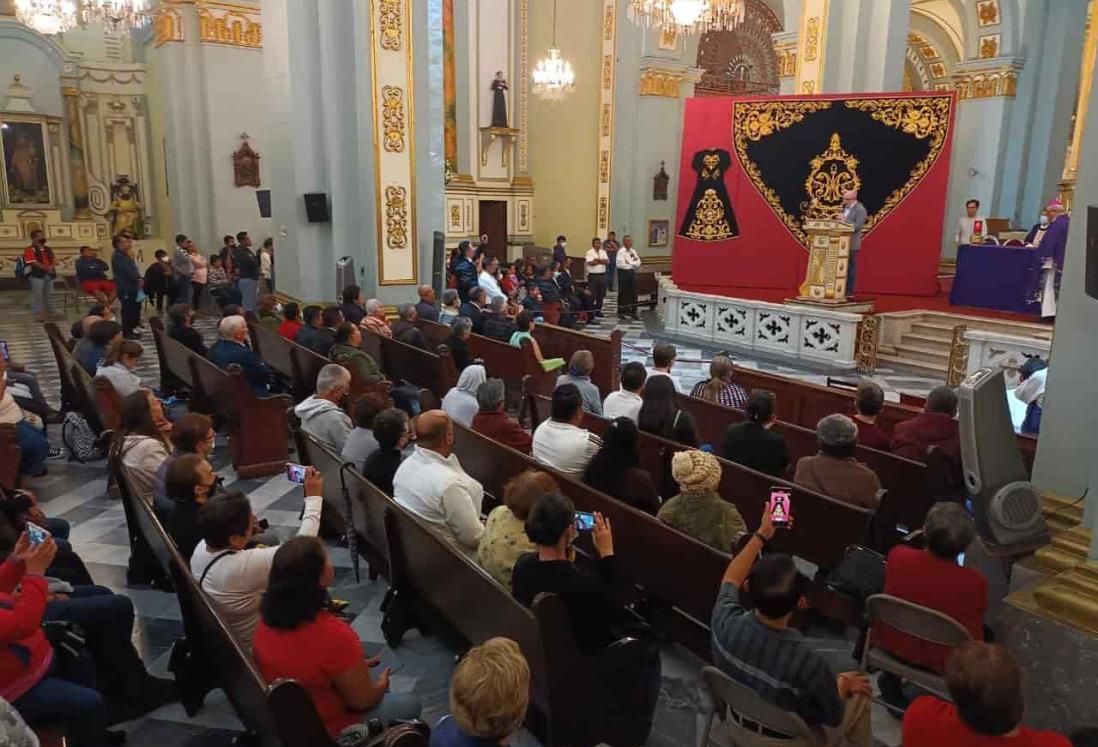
[491,420]
[404,328]
[579,373]
[834,471]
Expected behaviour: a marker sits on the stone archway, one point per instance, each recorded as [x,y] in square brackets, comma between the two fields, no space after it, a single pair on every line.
[743,60]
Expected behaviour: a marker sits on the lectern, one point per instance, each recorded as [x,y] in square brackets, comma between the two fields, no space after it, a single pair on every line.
[828,261]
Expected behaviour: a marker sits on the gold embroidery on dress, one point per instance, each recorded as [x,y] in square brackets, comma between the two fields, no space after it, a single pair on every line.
[710,223]
[711,167]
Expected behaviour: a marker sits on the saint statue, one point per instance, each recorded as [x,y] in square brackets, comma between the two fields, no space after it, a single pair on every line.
[125,210]
[499,101]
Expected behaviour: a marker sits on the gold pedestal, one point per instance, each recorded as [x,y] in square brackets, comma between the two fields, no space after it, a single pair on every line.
[828,261]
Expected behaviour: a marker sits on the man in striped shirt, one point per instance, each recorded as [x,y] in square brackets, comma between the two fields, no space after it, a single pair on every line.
[760,650]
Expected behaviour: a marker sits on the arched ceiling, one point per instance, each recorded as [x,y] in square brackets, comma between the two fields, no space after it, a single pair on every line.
[948,16]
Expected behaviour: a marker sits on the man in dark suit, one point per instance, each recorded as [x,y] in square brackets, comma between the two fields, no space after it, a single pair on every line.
[472,308]
[427,308]
[231,347]
[405,329]
[306,336]
[247,270]
[330,319]
[496,323]
[855,214]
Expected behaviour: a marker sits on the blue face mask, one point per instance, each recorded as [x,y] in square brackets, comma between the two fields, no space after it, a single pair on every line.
[1043,220]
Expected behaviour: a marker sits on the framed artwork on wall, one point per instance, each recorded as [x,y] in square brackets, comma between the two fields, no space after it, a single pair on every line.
[659,230]
[27,172]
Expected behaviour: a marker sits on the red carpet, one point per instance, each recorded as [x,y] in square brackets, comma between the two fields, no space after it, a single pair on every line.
[882,304]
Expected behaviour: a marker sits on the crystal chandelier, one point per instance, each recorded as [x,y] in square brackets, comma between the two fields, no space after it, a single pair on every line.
[553,76]
[117,16]
[688,16]
[47,17]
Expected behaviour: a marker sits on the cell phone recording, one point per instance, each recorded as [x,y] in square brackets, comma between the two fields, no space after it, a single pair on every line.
[295,473]
[585,522]
[780,504]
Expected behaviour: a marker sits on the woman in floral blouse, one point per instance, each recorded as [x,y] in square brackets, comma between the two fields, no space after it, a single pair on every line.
[505,537]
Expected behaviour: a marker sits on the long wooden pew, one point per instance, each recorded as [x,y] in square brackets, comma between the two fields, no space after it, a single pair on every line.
[10,456]
[500,359]
[433,371]
[558,342]
[257,427]
[907,481]
[70,399]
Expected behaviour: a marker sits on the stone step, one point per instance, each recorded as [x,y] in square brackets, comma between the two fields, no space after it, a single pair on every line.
[902,362]
[926,341]
[1061,512]
[924,354]
[933,329]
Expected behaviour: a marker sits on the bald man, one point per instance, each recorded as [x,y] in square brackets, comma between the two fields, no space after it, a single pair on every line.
[855,214]
[231,347]
[432,485]
[427,308]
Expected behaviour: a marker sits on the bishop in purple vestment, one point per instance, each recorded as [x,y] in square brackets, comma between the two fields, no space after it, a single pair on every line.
[1050,250]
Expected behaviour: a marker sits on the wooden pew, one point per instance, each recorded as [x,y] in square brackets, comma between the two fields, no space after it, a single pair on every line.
[84,387]
[276,352]
[63,358]
[173,357]
[433,371]
[907,481]
[500,359]
[643,543]
[10,456]
[558,342]
[107,402]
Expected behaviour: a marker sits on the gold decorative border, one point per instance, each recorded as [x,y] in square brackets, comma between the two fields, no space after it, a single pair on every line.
[524,83]
[606,119]
[811,46]
[665,83]
[167,26]
[920,117]
[986,84]
[392,118]
[234,28]
[395,206]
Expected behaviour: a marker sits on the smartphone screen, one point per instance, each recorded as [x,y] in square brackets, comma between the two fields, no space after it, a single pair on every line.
[780,505]
[4,350]
[296,473]
[36,534]
[585,522]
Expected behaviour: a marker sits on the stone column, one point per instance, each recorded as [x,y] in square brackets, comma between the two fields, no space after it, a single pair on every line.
[1086,77]
[74,124]
[851,46]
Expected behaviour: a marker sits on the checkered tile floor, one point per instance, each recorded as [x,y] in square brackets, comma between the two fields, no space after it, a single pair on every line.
[77,492]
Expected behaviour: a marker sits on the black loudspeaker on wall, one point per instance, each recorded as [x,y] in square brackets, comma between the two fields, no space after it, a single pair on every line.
[316,207]
[263,197]
[438,262]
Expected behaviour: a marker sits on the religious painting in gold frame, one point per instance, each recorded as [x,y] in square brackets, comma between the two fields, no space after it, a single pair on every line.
[28,172]
[659,232]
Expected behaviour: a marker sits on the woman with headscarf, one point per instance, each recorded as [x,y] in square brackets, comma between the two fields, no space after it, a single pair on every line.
[460,403]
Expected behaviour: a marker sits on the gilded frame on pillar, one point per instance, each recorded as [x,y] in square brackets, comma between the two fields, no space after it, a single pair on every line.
[659,231]
[669,40]
[28,167]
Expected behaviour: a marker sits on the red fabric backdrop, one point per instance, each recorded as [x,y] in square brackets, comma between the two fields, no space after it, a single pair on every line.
[900,255]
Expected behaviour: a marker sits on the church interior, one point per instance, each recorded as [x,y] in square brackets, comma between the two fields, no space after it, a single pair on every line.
[453,269]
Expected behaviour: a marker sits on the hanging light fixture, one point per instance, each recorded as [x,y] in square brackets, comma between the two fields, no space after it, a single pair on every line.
[47,17]
[688,16]
[553,76]
[117,16]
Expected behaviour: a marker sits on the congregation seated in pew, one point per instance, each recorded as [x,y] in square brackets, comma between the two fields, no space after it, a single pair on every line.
[188,483]
[935,426]
[346,351]
[426,308]
[616,470]
[141,444]
[431,484]
[579,374]
[496,323]
[405,329]
[460,403]
[759,649]
[298,638]
[192,433]
[307,333]
[233,574]
[591,601]
[489,696]
[361,442]
[458,341]
[119,364]
[559,441]
[231,347]
[627,401]
[505,540]
[375,320]
[91,349]
[719,387]
[752,443]
[353,307]
[525,323]
[834,471]
[181,328]
[291,321]
[492,421]
[660,416]
[392,433]
[868,403]
[450,308]
[698,510]
[663,359]
[322,415]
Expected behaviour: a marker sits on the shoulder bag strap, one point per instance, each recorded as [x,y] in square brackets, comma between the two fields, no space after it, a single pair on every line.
[213,562]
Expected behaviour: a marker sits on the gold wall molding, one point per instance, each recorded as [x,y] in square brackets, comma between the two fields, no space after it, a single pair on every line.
[987,13]
[990,83]
[230,25]
[523,87]
[392,117]
[394,141]
[812,40]
[606,117]
[787,62]
[811,52]
[989,46]
[658,82]
[167,26]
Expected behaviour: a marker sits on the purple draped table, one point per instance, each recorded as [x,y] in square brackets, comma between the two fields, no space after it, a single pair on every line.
[995,277]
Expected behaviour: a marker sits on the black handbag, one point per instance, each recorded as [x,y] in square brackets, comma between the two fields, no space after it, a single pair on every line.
[859,575]
[68,639]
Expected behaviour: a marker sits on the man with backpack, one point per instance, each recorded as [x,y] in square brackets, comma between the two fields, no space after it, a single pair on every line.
[38,265]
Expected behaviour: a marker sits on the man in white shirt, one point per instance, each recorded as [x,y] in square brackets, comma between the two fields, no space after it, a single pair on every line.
[487,280]
[235,577]
[597,260]
[626,402]
[559,442]
[628,262]
[432,485]
[970,223]
[663,358]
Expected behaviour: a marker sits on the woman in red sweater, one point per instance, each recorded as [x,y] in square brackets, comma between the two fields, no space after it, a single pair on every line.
[32,678]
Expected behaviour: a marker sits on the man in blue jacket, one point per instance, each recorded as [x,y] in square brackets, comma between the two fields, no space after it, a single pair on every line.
[127,280]
[231,347]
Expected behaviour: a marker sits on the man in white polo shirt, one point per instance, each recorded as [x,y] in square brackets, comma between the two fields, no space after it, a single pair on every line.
[559,442]
[597,261]
[626,402]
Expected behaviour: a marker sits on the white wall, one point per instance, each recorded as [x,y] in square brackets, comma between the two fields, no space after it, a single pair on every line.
[38,71]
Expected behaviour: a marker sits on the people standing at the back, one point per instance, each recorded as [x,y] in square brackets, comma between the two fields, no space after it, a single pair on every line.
[611,246]
[266,265]
[627,263]
[560,250]
[597,261]
[128,281]
[753,443]
[247,270]
[182,270]
[464,270]
[158,281]
[488,280]
[199,277]
[38,266]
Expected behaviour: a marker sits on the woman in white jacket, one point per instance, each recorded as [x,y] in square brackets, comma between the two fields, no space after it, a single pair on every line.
[119,364]
[141,442]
